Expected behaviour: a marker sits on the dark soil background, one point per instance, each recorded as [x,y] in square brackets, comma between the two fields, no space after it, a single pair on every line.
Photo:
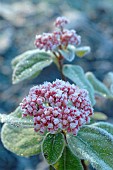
[20,21]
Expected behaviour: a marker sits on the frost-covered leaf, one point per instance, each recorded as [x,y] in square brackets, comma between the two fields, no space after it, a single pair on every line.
[16,119]
[82,51]
[68,161]
[108,80]
[99,116]
[52,147]
[95,145]
[76,74]
[104,125]
[98,86]
[30,65]
[21,57]
[68,53]
[21,141]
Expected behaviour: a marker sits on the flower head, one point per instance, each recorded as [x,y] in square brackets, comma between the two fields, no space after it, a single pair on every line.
[57,106]
[47,41]
[59,38]
[70,37]
[60,22]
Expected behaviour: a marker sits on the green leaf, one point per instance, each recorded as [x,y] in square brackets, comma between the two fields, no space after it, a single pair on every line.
[99,116]
[68,161]
[21,141]
[76,74]
[98,86]
[104,125]
[30,66]
[21,57]
[95,145]
[82,51]
[68,53]
[52,147]
[16,119]
[108,80]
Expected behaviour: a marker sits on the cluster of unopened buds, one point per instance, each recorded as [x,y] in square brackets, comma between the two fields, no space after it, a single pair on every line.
[57,106]
[58,39]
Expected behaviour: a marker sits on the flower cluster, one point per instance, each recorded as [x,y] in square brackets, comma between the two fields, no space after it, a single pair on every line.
[57,106]
[60,38]
[47,41]
[61,22]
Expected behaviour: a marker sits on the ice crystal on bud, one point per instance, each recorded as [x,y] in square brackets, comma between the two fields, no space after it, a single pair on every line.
[61,22]
[70,37]
[59,39]
[57,106]
[47,41]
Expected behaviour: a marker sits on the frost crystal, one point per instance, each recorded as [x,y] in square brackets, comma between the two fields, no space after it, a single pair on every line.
[61,22]
[57,106]
[58,39]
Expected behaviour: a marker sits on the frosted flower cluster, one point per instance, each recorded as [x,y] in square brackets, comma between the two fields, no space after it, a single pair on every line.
[57,106]
[58,39]
[61,22]
[47,41]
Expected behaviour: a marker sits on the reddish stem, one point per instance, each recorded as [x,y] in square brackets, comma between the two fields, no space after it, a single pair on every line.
[84,165]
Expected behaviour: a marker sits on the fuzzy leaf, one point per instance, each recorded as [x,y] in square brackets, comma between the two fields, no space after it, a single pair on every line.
[52,147]
[98,86]
[21,141]
[95,145]
[21,57]
[30,66]
[16,119]
[68,53]
[104,125]
[82,51]
[68,161]
[76,74]
[108,80]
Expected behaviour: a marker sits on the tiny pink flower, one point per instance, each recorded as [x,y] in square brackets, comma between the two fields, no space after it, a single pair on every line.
[61,22]
[49,111]
[47,41]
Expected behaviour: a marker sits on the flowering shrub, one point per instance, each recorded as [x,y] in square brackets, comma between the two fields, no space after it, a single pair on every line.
[55,117]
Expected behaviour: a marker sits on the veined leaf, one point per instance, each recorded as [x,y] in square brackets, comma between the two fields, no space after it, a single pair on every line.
[68,161]
[76,74]
[21,141]
[21,57]
[52,147]
[31,65]
[95,145]
[98,86]
[104,125]
[16,119]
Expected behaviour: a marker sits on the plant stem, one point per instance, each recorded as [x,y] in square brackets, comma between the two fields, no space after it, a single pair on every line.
[60,61]
[51,167]
[64,136]
[84,165]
